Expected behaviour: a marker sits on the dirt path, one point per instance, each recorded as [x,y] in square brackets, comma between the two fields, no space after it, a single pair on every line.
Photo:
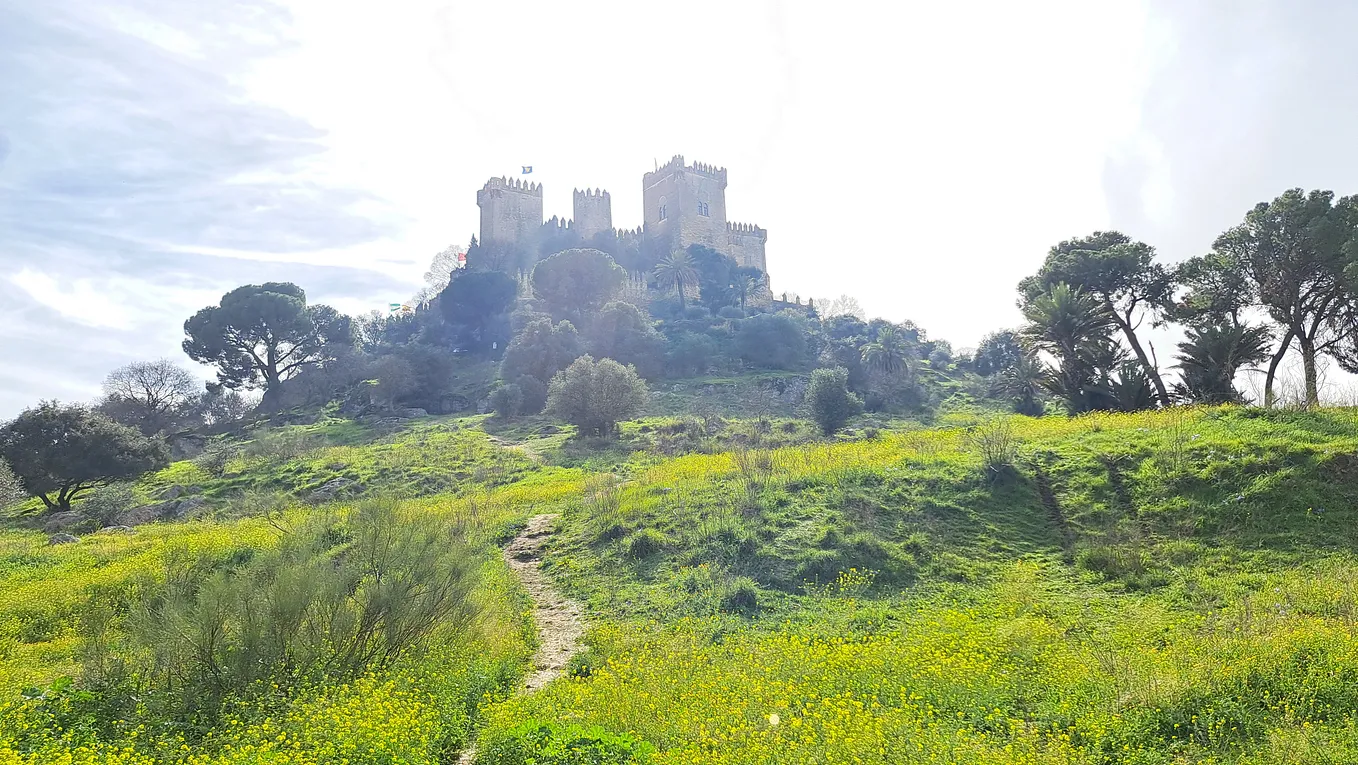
[558,619]
[521,448]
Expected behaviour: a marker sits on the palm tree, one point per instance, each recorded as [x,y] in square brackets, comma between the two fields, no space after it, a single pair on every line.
[1022,383]
[1075,328]
[1211,356]
[887,354]
[746,282]
[676,270]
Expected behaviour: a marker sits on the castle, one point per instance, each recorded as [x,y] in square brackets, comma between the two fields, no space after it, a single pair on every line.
[684,205]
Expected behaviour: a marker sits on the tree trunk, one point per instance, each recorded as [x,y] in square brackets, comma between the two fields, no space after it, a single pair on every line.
[1308,363]
[1154,373]
[1273,369]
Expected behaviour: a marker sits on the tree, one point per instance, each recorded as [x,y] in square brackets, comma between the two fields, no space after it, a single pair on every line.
[771,341]
[1294,251]
[149,395]
[477,305]
[716,276]
[844,305]
[997,352]
[507,401]
[440,272]
[1074,327]
[574,284]
[1022,384]
[61,452]
[623,333]
[830,401]
[595,396]
[1212,355]
[11,488]
[887,354]
[263,334]
[392,378]
[541,350]
[676,270]
[1118,272]
[746,283]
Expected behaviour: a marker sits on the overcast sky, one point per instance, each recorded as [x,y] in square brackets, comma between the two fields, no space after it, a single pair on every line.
[919,156]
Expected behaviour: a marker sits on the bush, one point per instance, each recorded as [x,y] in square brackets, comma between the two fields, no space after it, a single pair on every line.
[996,445]
[594,396]
[215,457]
[645,543]
[534,392]
[335,598]
[830,400]
[771,341]
[106,503]
[690,354]
[542,349]
[554,744]
[11,489]
[742,597]
[623,333]
[507,400]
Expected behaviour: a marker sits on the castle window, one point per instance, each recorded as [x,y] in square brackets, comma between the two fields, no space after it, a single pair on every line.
[702,209]
[662,208]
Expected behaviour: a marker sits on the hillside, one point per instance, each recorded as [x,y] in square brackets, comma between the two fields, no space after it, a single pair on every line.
[1152,588]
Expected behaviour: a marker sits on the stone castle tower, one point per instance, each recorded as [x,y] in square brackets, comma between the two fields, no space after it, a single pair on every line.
[683,205]
[593,212]
[511,211]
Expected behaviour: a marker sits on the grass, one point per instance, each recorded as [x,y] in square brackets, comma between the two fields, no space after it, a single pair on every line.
[1155,588]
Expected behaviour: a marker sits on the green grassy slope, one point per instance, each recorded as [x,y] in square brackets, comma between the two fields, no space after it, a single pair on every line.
[1164,587]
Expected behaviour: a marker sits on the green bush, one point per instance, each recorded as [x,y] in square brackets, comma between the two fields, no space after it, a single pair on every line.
[534,392]
[645,543]
[742,597]
[337,597]
[594,396]
[542,743]
[507,400]
[829,398]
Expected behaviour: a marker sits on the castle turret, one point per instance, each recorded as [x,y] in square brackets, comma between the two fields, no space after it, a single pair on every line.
[593,213]
[511,211]
[745,243]
[686,204]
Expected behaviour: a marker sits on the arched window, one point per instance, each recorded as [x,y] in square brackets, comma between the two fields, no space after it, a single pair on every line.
[702,204]
[662,208]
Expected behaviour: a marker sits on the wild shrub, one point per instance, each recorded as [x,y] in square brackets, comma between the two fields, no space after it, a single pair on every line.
[338,596]
[830,401]
[11,489]
[216,456]
[594,396]
[756,470]
[742,596]
[995,443]
[646,543]
[507,400]
[106,503]
[281,445]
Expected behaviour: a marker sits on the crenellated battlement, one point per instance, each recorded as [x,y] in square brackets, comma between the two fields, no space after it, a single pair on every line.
[747,230]
[559,223]
[587,195]
[676,164]
[502,184]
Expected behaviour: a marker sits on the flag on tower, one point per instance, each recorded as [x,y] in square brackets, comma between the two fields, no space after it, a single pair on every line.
[527,169]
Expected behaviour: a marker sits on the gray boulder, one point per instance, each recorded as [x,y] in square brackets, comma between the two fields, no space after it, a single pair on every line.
[174,492]
[62,539]
[411,413]
[188,505]
[62,521]
[115,530]
[331,489]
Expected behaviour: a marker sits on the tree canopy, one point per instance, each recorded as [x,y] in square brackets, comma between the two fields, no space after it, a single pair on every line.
[575,283]
[149,395]
[595,395]
[260,335]
[60,452]
[477,305]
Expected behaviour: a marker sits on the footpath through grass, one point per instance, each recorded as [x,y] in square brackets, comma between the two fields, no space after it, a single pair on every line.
[1165,587]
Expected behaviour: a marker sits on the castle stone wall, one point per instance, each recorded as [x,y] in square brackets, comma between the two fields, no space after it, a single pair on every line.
[684,190]
[745,243]
[511,211]
[593,212]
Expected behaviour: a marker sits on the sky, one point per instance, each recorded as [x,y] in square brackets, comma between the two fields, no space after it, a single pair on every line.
[921,157]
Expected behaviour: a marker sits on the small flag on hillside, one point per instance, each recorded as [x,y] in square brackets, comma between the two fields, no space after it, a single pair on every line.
[527,169]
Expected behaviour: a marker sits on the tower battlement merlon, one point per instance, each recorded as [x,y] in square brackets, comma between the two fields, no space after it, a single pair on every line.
[747,230]
[584,194]
[513,184]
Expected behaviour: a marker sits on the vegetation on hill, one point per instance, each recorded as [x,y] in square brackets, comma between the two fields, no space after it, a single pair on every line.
[798,536]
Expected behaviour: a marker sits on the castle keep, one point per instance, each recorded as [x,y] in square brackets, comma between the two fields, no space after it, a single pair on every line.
[684,205]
